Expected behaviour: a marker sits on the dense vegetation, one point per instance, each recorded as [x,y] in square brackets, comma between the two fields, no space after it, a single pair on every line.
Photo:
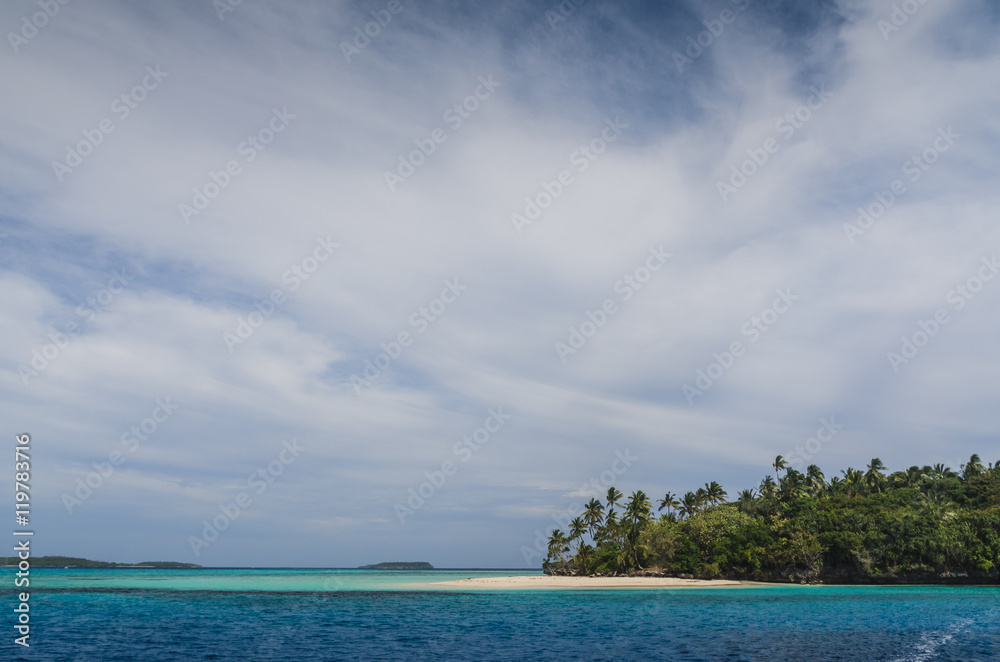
[920,524]
[74,562]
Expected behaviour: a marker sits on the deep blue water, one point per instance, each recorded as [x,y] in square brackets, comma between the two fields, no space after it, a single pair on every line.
[88,616]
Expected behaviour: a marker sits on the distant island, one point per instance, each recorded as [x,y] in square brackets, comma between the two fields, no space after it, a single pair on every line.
[73,562]
[399,565]
[926,524]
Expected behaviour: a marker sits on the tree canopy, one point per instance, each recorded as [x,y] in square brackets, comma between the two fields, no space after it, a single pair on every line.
[926,523]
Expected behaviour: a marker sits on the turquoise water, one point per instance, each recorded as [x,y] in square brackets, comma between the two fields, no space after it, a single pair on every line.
[111,615]
[247,580]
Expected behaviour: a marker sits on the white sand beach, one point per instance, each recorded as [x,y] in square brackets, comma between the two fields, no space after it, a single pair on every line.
[546,582]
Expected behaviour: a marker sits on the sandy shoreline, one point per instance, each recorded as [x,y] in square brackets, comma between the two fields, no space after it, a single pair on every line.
[546,582]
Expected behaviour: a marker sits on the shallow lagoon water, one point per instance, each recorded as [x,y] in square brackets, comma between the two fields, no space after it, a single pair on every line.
[166,615]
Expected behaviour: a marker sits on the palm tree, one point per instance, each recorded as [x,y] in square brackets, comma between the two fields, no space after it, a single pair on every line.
[689,505]
[973,468]
[939,505]
[793,485]
[767,486]
[745,500]
[638,510]
[854,480]
[593,515]
[609,531]
[944,471]
[669,501]
[577,529]
[614,497]
[715,493]
[558,545]
[584,553]
[919,478]
[779,464]
[700,497]
[874,476]
[815,480]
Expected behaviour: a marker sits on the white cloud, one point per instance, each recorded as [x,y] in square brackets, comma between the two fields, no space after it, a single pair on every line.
[323,176]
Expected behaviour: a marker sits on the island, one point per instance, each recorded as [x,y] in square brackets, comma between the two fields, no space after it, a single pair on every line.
[924,524]
[74,562]
[399,565]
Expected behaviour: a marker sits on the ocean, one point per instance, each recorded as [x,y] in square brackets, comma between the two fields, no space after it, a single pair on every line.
[168,615]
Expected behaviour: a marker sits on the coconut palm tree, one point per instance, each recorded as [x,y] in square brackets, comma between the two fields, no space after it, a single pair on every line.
[577,528]
[584,555]
[793,485]
[715,493]
[593,515]
[614,498]
[639,509]
[638,512]
[854,481]
[701,498]
[767,486]
[939,505]
[669,501]
[815,480]
[689,505]
[558,545]
[874,476]
[745,500]
[973,468]
[608,532]
[779,464]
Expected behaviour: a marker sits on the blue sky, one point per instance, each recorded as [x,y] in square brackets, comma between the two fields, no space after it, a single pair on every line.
[621,210]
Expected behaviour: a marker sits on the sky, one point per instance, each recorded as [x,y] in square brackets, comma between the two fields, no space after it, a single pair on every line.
[324,284]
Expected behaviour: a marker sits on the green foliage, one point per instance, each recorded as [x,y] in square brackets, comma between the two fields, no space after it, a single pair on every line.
[865,524]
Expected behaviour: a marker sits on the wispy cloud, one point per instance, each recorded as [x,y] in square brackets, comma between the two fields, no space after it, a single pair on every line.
[195,277]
